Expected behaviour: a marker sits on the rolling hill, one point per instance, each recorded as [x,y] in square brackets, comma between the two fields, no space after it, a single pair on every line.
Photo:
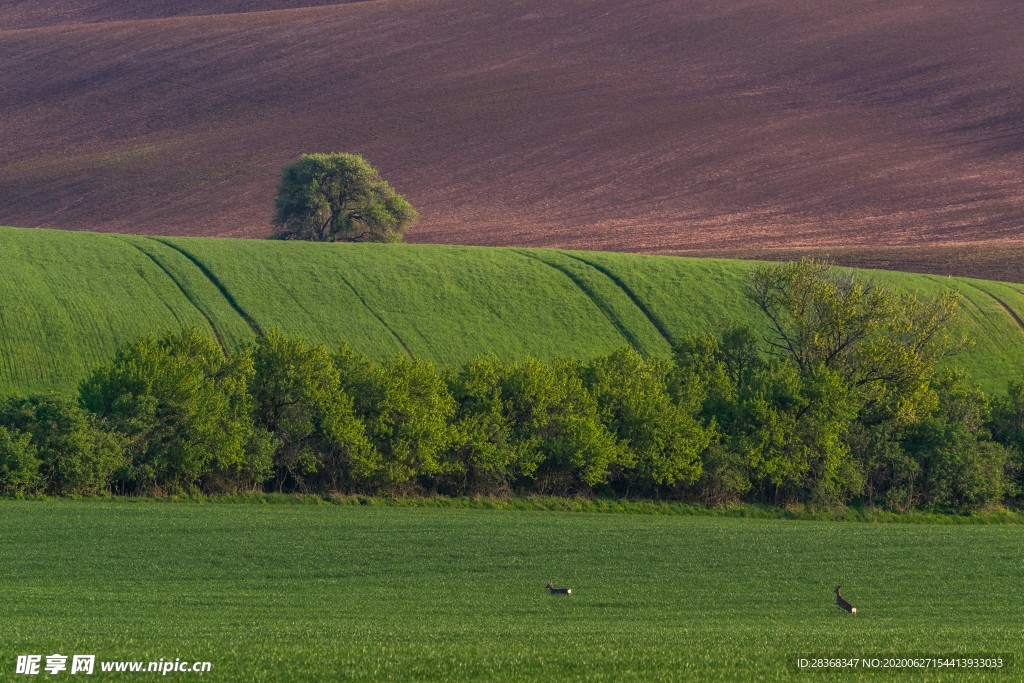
[68,300]
[633,125]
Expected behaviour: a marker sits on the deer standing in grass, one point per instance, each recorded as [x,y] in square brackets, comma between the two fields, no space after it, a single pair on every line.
[559,591]
[841,603]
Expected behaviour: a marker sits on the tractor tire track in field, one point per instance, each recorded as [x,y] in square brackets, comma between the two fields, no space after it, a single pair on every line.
[941,282]
[252,321]
[1012,313]
[255,326]
[374,313]
[595,299]
[637,301]
[188,296]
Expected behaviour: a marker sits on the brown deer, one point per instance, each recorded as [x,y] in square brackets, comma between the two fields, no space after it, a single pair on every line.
[841,603]
[559,591]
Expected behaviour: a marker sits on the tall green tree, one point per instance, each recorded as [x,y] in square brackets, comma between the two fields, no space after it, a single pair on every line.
[912,429]
[339,198]
[885,343]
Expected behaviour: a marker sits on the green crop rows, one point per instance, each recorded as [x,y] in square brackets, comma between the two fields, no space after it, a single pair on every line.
[303,592]
[68,300]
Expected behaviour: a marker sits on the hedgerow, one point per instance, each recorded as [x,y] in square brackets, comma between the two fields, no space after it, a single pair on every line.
[846,401]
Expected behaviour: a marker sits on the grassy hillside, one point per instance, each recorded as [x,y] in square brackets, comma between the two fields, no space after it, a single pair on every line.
[68,300]
[634,125]
[300,592]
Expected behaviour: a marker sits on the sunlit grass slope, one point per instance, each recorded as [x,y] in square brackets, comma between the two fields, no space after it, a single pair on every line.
[68,300]
[318,593]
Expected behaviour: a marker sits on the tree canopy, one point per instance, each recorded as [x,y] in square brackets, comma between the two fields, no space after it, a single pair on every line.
[339,198]
[885,343]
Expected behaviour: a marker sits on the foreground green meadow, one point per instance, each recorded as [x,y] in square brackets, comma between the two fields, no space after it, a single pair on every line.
[302,592]
[69,300]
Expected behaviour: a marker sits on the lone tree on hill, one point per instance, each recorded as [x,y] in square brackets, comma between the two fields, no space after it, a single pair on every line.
[339,198]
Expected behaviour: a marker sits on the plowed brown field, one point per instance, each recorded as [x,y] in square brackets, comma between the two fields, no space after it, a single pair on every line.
[640,125]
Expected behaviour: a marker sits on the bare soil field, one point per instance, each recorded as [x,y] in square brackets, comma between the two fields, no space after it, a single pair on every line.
[33,13]
[1004,262]
[635,125]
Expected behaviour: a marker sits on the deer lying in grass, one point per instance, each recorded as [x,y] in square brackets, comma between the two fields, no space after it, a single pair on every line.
[843,604]
[559,591]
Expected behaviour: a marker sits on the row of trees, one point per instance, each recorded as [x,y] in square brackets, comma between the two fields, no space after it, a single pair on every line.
[844,400]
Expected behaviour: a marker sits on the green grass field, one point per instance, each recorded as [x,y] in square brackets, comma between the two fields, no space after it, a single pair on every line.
[304,592]
[68,300]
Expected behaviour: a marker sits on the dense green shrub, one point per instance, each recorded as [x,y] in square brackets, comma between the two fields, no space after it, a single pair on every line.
[960,467]
[791,427]
[77,455]
[1007,427]
[298,399]
[405,407]
[19,466]
[943,458]
[485,456]
[661,439]
[185,409]
[782,427]
[725,476]
[1008,416]
[709,374]
[891,474]
[558,424]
